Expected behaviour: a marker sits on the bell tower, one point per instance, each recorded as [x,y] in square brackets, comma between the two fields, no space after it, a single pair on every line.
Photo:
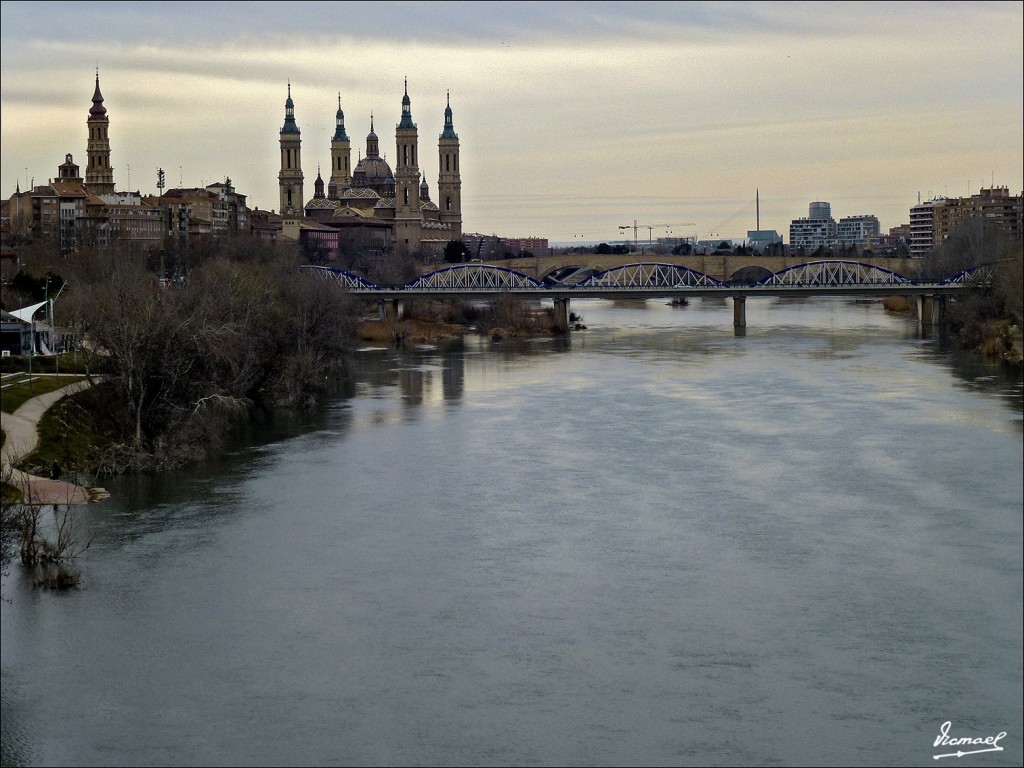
[99,176]
[341,152]
[290,178]
[449,184]
[408,219]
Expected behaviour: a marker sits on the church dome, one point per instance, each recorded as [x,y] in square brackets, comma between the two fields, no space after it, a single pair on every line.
[374,168]
[375,173]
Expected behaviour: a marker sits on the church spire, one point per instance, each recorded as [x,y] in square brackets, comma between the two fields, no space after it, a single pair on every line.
[406,110]
[449,182]
[99,175]
[372,144]
[449,128]
[341,155]
[318,185]
[97,99]
[289,179]
[289,114]
[339,123]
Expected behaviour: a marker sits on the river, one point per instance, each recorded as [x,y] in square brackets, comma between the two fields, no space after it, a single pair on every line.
[654,543]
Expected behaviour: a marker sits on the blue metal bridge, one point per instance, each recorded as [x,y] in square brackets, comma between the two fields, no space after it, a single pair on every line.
[645,280]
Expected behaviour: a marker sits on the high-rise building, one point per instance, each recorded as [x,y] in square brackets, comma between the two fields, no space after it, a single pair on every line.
[819,211]
[932,222]
[861,231]
[818,230]
[926,219]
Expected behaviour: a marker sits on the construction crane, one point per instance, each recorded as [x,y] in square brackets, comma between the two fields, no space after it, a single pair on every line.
[650,229]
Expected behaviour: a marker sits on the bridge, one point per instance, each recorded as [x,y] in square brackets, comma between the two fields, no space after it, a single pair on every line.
[646,280]
[722,266]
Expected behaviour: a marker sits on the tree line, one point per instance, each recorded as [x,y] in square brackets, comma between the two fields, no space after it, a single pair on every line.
[992,320]
[245,326]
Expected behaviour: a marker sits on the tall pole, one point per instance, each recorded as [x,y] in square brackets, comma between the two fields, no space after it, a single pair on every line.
[163,227]
[49,316]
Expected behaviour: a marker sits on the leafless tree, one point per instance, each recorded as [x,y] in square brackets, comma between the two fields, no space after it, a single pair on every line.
[242,327]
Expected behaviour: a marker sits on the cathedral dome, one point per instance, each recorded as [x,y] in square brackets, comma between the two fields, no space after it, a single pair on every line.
[374,168]
[375,173]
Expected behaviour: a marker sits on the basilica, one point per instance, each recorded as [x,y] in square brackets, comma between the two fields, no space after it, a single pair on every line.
[387,210]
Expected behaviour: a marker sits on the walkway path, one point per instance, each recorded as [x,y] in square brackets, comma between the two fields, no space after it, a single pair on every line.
[22,437]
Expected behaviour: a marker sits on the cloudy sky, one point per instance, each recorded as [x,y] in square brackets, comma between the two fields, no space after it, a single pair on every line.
[574,119]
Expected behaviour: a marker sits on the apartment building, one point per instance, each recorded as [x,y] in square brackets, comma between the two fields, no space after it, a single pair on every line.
[932,222]
[861,231]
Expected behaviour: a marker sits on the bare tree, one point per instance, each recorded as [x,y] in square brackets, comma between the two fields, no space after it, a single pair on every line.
[241,328]
[49,556]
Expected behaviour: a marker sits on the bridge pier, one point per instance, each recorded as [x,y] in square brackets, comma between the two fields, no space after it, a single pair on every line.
[562,315]
[931,311]
[739,311]
[389,309]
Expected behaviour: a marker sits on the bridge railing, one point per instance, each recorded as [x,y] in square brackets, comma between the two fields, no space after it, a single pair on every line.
[484,278]
[835,273]
[980,275]
[649,275]
[474,277]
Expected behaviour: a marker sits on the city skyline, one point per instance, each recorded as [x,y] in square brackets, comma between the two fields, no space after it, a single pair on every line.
[575,120]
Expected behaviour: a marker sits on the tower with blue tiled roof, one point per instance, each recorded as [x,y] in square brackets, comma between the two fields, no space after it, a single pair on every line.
[408,219]
[290,177]
[341,154]
[449,183]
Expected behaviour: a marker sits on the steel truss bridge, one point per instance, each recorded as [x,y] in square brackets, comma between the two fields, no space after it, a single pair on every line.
[646,280]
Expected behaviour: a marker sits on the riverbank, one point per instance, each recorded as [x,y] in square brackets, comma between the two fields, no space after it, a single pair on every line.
[996,339]
[437,322]
[418,331]
[21,436]
[412,331]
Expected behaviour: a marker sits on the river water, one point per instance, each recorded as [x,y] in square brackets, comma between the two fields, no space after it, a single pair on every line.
[656,543]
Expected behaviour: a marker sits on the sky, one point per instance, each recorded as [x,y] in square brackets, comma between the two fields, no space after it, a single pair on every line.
[576,120]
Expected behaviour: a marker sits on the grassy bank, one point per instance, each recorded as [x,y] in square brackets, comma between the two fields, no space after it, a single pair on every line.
[74,433]
[19,388]
[69,362]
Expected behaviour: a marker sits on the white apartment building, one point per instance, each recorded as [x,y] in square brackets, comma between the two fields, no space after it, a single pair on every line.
[820,230]
[858,230]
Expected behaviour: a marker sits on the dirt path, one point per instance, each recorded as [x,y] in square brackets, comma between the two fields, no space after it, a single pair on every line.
[21,428]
